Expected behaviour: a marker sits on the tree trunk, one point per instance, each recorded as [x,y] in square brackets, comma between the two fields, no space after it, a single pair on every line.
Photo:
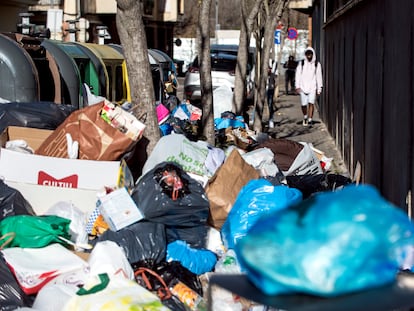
[274,11]
[132,35]
[203,47]
[239,98]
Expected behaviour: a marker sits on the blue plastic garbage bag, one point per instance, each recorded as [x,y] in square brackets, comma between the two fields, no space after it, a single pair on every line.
[331,244]
[198,261]
[166,128]
[256,199]
[223,123]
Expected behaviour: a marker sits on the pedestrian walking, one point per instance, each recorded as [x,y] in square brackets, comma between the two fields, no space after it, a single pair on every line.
[171,85]
[290,73]
[308,84]
[270,91]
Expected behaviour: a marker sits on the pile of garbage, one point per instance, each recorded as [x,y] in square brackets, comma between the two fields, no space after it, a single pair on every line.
[80,231]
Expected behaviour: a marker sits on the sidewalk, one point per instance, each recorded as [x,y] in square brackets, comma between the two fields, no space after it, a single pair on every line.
[288,124]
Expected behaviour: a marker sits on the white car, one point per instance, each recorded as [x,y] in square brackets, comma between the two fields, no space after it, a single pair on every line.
[223,66]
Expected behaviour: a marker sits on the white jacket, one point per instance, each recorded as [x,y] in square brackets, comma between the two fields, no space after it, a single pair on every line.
[309,77]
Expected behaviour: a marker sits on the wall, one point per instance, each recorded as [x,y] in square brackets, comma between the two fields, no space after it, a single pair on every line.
[186,52]
[9,13]
[368,98]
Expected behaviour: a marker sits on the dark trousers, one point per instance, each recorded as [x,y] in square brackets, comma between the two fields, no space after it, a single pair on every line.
[289,79]
[270,94]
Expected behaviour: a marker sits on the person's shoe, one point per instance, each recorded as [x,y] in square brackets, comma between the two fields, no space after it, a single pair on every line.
[310,122]
[271,124]
[305,122]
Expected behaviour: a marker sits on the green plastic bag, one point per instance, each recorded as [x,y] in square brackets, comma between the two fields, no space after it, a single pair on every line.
[35,231]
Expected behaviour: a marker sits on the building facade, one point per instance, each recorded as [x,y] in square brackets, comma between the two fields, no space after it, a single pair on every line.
[92,20]
[10,11]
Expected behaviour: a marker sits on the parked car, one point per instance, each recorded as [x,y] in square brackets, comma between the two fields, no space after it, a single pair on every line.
[223,66]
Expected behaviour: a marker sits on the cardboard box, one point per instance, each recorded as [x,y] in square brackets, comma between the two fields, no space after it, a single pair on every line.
[57,172]
[42,198]
[119,210]
[34,137]
[44,181]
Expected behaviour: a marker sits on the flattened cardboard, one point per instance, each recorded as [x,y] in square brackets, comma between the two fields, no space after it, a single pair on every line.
[33,136]
[42,198]
[225,185]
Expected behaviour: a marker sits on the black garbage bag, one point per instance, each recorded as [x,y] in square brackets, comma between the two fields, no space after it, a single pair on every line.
[310,184]
[136,157]
[189,128]
[142,242]
[168,195]
[152,281]
[42,115]
[168,274]
[171,102]
[12,202]
[195,236]
[172,271]
[11,295]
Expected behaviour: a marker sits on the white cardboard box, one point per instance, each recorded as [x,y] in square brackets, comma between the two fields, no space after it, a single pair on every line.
[42,198]
[58,172]
[44,181]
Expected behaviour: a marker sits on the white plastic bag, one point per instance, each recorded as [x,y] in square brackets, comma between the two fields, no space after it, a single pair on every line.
[305,163]
[120,294]
[78,220]
[262,160]
[53,297]
[108,257]
[222,99]
[35,267]
[179,149]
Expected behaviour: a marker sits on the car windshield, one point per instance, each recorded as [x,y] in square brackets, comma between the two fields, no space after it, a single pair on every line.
[220,61]
[223,62]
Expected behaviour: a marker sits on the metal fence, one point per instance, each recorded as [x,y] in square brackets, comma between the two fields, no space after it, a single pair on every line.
[367,105]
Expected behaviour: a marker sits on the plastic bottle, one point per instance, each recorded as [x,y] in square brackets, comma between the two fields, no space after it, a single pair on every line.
[228,263]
